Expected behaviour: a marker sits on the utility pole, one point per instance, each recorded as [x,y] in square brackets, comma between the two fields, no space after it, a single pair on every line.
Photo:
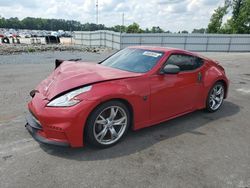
[97,12]
[123,19]
[122,22]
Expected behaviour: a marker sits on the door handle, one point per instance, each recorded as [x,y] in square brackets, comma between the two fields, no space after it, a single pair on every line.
[199,77]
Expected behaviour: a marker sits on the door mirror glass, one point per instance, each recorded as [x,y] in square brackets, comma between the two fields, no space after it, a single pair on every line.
[170,69]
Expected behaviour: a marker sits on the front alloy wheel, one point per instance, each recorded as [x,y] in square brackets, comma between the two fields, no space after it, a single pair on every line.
[107,124]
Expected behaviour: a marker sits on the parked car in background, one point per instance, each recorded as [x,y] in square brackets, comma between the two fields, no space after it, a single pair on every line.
[54,33]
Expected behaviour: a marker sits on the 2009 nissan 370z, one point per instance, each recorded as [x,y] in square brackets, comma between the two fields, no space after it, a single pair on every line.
[135,88]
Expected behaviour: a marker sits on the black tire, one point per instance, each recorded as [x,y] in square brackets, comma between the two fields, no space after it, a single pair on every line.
[5,40]
[89,129]
[208,105]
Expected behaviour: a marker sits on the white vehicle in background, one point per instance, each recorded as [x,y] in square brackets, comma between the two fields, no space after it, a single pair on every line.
[54,33]
[24,35]
[11,33]
[8,34]
[61,33]
[41,34]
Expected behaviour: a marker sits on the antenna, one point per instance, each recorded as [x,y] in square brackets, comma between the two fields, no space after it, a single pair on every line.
[97,12]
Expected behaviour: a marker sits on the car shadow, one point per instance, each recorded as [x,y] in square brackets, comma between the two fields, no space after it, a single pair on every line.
[136,141]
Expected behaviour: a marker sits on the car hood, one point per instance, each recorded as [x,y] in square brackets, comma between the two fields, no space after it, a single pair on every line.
[70,75]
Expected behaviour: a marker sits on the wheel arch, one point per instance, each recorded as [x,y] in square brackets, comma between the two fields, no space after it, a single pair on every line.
[225,86]
[210,84]
[214,75]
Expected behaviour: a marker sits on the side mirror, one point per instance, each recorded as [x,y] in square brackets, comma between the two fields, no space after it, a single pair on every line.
[170,69]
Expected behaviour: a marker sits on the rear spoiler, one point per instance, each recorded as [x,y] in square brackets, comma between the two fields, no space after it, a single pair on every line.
[58,62]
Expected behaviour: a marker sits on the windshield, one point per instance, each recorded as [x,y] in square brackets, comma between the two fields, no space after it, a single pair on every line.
[134,60]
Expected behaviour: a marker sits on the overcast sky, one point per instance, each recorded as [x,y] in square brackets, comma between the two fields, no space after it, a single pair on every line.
[173,15]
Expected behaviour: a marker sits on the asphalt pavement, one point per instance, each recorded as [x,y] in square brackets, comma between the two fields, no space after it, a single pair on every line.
[196,150]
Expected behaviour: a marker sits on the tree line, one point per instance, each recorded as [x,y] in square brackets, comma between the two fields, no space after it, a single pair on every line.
[46,24]
[72,25]
[237,23]
[69,25]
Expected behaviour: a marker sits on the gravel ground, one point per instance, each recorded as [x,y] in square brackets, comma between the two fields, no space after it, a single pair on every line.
[10,49]
[196,150]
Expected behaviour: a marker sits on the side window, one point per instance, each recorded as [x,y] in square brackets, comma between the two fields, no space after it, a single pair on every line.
[185,62]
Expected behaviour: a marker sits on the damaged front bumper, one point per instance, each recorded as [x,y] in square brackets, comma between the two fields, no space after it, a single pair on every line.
[35,129]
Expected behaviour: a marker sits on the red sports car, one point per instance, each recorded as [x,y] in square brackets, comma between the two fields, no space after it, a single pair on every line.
[136,87]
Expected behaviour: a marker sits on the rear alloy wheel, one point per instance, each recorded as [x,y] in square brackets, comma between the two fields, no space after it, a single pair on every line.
[215,97]
[107,124]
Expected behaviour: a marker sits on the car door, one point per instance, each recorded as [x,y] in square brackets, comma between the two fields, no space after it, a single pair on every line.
[174,94]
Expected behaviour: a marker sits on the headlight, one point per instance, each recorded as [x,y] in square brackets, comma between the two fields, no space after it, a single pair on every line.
[69,98]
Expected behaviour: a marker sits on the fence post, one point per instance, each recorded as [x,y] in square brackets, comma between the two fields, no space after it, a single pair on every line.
[90,39]
[120,41]
[105,38]
[207,43]
[100,38]
[72,36]
[229,45]
[162,39]
[140,40]
[185,43]
[112,41]
[82,38]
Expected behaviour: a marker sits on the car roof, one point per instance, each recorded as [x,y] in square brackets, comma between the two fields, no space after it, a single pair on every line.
[168,49]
